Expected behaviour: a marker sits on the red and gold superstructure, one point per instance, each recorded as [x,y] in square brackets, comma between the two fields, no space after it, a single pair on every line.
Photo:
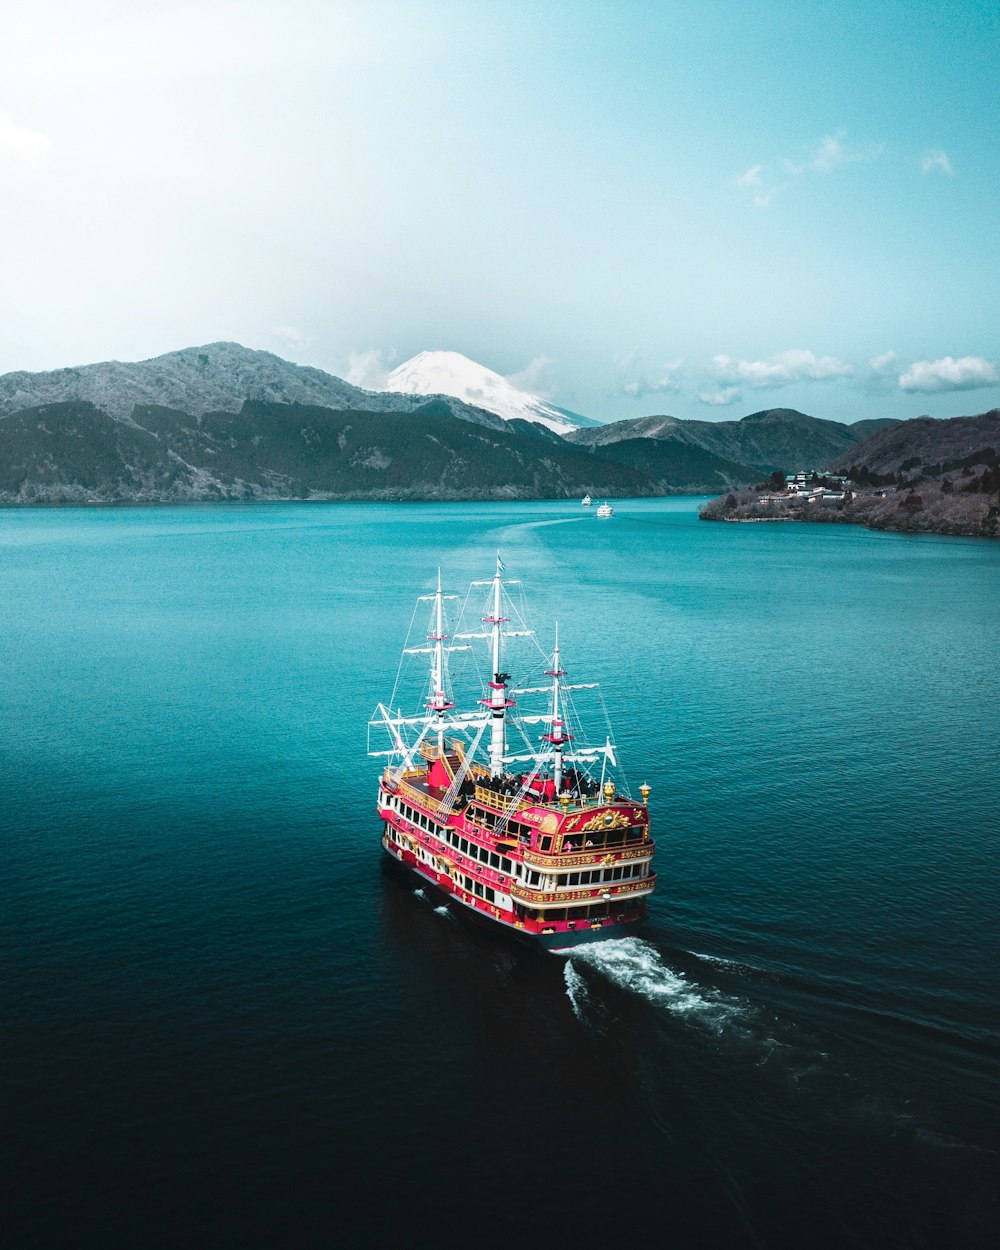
[548,851]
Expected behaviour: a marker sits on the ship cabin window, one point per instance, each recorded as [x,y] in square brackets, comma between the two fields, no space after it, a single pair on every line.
[494,860]
[599,839]
[545,845]
[586,911]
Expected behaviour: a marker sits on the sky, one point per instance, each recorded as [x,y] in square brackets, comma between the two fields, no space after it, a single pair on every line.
[704,208]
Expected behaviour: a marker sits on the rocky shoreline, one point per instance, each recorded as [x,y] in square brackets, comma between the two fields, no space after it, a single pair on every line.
[932,508]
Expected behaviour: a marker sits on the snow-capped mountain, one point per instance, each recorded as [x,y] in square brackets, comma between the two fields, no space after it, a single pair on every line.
[451,373]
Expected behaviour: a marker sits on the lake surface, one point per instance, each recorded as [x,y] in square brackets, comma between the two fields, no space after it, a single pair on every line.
[225,1025]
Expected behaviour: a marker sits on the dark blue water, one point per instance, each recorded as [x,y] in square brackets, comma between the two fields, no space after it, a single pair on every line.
[224,1025]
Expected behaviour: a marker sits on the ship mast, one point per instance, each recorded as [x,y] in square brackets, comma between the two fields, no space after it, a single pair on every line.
[439,702]
[557,735]
[498,703]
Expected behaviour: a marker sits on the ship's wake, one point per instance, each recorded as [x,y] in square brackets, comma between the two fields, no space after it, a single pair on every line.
[576,990]
[637,966]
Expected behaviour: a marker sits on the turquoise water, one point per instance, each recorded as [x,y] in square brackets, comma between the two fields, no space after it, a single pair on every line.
[224,1024]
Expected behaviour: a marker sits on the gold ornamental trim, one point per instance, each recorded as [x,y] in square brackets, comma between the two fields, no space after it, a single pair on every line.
[605,820]
[645,885]
[591,859]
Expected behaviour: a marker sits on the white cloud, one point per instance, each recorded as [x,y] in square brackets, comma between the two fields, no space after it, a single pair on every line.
[764,199]
[532,378]
[832,152]
[968,373]
[369,369]
[886,363]
[752,177]
[290,336]
[636,382]
[936,161]
[882,374]
[722,396]
[781,369]
[20,145]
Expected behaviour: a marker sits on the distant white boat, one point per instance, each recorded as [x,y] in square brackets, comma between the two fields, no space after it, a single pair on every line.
[586,501]
[605,509]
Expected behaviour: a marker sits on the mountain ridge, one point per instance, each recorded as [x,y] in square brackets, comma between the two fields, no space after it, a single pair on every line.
[211,377]
[182,426]
[763,441]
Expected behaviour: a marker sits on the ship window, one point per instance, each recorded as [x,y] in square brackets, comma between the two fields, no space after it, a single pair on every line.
[544,844]
[506,866]
[489,894]
[573,878]
[494,860]
[463,843]
[616,874]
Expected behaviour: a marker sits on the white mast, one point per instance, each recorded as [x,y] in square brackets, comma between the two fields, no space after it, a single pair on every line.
[557,735]
[497,701]
[438,703]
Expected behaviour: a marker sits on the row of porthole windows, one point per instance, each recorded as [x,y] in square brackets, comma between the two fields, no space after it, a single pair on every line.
[592,876]
[477,888]
[620,872]
[426,857]
[488,858]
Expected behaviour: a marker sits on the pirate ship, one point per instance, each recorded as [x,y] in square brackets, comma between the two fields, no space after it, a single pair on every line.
[506,808]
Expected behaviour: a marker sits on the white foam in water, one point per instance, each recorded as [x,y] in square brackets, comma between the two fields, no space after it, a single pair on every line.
[729,965]
[576,990]
[443,911]
[636,966]
[419,892]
